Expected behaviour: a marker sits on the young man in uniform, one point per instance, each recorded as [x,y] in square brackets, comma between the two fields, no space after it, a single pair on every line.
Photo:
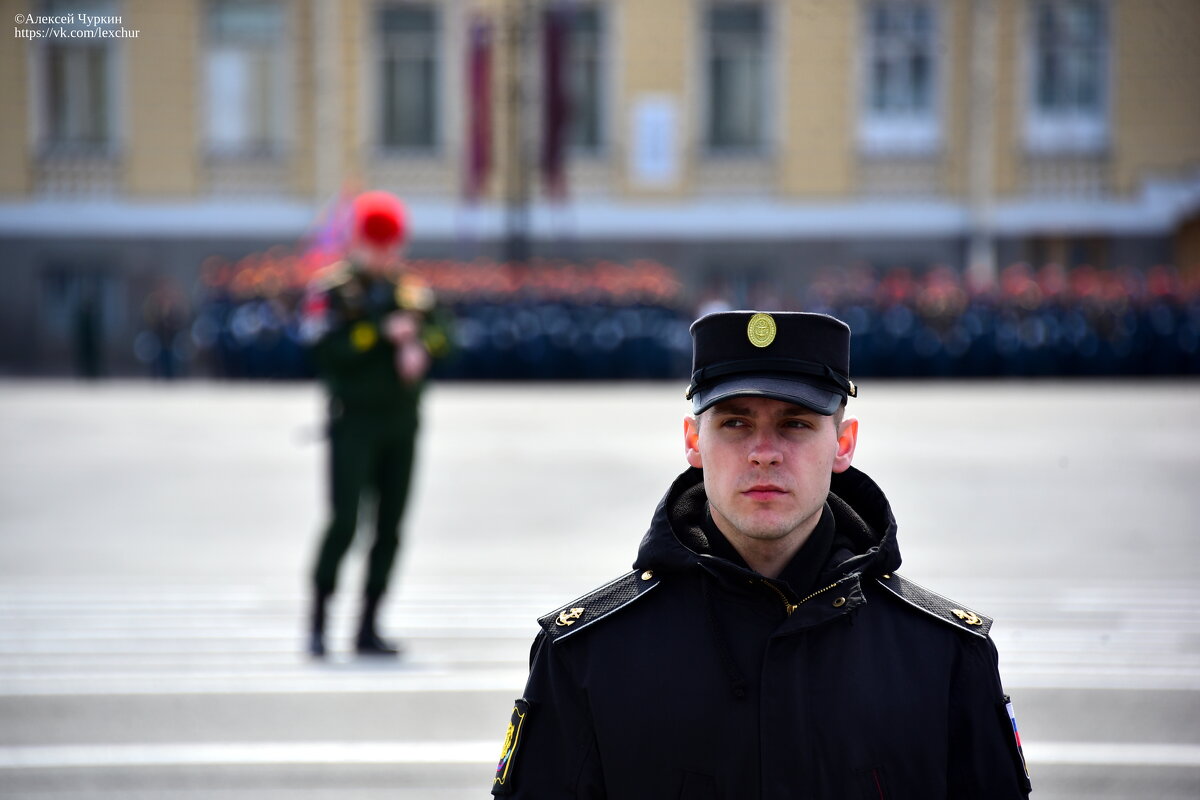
[763,645]
[373,336]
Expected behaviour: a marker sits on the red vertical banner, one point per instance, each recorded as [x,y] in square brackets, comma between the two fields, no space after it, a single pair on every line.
[479,116]
[556,102]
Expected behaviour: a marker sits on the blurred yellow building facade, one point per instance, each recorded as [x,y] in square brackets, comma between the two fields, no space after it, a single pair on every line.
[741,141]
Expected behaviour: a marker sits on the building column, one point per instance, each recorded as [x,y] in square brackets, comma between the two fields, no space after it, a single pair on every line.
[328,118]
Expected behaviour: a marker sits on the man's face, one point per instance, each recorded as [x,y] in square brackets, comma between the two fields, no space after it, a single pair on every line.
[767,465]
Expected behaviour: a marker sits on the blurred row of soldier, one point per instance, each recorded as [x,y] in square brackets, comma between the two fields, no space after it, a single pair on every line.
[1043,322]
[609,321]
[542,321]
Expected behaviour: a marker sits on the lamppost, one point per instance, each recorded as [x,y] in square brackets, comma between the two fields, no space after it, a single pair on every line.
[981,245]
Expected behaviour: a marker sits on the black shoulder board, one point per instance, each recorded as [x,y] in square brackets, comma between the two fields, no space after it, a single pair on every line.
[598,604]
[935,605]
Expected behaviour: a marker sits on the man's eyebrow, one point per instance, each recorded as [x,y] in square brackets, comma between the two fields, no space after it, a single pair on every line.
[731,408]
[798,411]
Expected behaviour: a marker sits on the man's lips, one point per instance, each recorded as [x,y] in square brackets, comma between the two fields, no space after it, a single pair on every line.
[764,491]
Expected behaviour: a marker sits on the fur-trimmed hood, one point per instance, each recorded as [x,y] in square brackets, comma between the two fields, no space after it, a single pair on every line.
[865,541]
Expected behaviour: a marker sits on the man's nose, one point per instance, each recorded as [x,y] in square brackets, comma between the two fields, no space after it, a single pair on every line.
[764,450]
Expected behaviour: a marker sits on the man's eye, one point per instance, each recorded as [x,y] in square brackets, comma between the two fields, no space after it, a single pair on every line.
[733,423]
[797,423]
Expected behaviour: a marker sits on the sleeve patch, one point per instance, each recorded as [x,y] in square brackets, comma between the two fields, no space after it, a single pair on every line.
[503,783]
[1012,717]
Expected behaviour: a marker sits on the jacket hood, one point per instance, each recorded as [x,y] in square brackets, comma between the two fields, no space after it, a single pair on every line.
[865,540]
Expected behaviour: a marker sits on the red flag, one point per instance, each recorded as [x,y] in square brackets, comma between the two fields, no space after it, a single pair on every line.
[479,118]
[556,111]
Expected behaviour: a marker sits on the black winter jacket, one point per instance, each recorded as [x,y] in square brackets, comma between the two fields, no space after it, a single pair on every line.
[695,678]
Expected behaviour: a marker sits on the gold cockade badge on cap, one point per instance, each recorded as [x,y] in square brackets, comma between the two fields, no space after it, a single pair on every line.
[761,330]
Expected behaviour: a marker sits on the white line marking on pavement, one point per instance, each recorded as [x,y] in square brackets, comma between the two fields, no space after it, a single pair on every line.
[249,753]
[477,752]
[162,638]
[330,683]
[1113,754]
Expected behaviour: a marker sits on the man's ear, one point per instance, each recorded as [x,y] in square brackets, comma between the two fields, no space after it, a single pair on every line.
[846,442]
[691,441]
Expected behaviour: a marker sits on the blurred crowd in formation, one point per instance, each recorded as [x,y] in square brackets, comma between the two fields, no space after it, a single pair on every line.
[545,320]
[1048,321]
[604,320]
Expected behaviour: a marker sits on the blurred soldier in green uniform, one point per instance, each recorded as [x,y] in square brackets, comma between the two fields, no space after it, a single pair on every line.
[373,331]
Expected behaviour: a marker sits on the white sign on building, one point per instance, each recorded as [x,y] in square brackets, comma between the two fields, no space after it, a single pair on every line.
[654,154]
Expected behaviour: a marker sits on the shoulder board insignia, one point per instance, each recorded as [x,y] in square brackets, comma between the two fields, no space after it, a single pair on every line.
[413,294]
[596,605]
[332,276]
[935,605]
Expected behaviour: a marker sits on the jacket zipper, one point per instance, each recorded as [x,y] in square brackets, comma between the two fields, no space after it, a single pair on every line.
[789,606]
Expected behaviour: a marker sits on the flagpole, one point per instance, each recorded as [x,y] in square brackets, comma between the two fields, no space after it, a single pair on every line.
[516,241]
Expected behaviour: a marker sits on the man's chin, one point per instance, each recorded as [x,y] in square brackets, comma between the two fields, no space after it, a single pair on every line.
[764,531]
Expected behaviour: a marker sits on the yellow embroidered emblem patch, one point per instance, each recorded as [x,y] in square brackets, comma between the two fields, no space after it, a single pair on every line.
[512,740]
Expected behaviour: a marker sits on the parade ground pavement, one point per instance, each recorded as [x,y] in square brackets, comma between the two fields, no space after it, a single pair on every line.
[155,541]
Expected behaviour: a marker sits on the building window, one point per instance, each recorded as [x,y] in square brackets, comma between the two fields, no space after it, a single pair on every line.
[78,86]
[585,79]
[1067,107]
[408,76]
[246,85]
[900,78]
[78,96]
[736,75]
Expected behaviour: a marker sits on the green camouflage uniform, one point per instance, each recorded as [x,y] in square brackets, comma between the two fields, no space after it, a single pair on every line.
[373,412]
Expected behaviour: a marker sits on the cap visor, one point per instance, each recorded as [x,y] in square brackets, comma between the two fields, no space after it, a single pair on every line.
[815,398]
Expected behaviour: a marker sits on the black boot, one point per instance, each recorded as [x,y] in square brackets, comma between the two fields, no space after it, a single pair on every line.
[316,631]
[369,642]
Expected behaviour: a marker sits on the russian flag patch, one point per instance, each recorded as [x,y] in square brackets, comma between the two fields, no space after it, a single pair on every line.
[1012,717]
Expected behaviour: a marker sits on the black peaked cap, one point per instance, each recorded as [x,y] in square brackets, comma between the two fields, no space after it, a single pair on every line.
[791,356]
